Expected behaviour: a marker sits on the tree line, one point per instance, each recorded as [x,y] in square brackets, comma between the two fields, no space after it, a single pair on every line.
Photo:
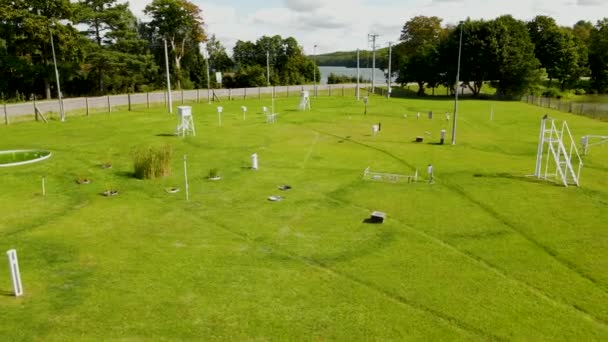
[513,55]
[102,48]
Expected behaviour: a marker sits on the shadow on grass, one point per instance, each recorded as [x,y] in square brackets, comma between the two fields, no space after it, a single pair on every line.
[166,135]
[7,293]
[524,178]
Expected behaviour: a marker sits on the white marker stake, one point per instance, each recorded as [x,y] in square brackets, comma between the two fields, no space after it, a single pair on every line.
[244,112]
[219,115]
[186,178]
[492,113]
[43,187]
[14,266]
[254,161]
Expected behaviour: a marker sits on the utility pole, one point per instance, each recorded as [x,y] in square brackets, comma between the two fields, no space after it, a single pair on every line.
[373,37]
[169,99]
[59,96]
[390,76]
[358,75]
[456,87]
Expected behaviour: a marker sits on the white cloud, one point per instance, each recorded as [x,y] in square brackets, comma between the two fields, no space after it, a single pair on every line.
[303,5]
[335,25]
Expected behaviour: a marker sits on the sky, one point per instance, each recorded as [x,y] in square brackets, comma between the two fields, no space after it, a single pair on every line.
[344,25]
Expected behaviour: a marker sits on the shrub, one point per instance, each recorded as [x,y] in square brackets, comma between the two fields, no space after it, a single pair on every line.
[150,162]
[552,92]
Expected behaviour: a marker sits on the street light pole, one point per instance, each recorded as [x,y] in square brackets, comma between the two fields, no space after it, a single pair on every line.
[169,99]
[456,87]
[59,96]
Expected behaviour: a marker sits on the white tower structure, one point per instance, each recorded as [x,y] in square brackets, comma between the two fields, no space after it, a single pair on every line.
[562,161]
[305,100]
[186,123]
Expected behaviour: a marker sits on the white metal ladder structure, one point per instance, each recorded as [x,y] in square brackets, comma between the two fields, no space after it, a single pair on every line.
[561,151]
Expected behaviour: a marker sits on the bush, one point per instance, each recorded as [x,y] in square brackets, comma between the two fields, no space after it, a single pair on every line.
[150,162]
[580,91]
[552,92]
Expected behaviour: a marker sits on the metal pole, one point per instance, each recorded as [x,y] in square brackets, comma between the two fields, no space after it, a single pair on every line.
[390,55]
[314,70]
[374,36]
[456,87]
[208,82]
[539,151]
[61,111]
[170,100]
[186,178]
[5,115]
[358,76]
[267,68]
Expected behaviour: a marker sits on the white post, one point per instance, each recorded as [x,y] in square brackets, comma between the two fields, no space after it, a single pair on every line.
[13,264]
[43,187]
[244,112]
[170,100]
[186,178]
[492,113]
[219,115]
[314,70]
[539,152]
[254,161]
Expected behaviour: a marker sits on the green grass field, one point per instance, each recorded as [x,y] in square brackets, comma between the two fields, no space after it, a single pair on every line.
[485,253]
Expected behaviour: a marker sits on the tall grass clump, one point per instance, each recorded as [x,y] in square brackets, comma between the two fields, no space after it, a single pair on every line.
[152,162]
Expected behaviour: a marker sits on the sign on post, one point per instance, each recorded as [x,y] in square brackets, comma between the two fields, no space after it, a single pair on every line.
[16,276]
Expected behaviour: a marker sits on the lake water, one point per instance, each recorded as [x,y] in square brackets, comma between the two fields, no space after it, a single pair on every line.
[366,73]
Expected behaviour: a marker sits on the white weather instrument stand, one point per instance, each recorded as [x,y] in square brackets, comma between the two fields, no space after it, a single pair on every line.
[562,161]
[186,124]
[586,141]
[304,100]
[15,274]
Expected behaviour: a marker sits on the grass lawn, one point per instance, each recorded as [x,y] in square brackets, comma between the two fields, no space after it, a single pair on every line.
[485,253]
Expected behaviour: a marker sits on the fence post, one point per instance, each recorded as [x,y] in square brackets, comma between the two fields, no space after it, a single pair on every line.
[570,109]
[259,93]
[244,93]
[129,100]
[109,105]
[5,115]
[343,90]
[198,95]
[287,91]
[35,111]
[147,100]
[182,96]
[229,94]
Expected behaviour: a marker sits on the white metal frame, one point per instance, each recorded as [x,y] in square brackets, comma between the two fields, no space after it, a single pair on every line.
[186,124]
[561,154]
[585,141]
[389,177]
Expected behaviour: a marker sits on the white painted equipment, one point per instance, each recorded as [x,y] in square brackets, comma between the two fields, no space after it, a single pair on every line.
[586,141]
[186,123]
[561,154]
[304,100]
[389,177]
[219,115]
[15,274]
[254,161]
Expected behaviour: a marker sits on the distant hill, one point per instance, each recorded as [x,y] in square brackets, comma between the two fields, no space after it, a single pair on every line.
[349,58]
